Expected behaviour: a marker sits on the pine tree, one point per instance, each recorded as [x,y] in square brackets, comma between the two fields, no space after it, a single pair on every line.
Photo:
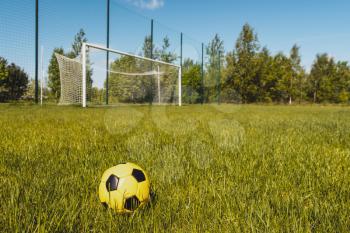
[215,51]
[79,39]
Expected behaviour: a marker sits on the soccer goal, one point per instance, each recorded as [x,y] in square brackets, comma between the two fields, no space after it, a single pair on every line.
[90,80]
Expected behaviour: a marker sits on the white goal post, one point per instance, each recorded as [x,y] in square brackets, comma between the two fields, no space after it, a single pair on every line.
[155,70]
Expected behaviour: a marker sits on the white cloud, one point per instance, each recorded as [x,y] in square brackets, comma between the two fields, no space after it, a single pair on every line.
[148,4]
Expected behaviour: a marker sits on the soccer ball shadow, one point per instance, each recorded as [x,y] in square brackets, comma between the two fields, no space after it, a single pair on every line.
[153,200]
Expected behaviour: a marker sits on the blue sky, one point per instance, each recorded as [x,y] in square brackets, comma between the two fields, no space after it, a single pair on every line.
[317,26]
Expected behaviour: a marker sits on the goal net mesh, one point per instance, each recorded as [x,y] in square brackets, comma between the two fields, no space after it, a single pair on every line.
[126,80]
[71,77]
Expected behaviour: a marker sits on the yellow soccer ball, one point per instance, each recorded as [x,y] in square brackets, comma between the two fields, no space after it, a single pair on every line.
[124,188]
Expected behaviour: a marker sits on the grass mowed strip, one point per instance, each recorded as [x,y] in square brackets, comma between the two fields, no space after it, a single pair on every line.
[213,168]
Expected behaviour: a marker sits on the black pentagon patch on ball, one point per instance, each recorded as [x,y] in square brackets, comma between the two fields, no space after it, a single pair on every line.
[112,183]
[138,175]
[132,203]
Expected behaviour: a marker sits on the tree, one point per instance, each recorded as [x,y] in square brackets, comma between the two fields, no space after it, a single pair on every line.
[322,78]
[128,89]
[342,83]
[283,73]
[13,81]
[163,54]
[229,91]
[147,47]
[266,78]
[3,78]
[54,74]
[297,72]
[247,47]
[79,39]
[140,89]
[302,86]
[169,77]
[17,82]
[191,81]
[215,52]
[77,44]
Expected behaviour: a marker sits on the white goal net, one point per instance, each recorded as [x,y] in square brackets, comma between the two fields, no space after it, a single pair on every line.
[126,79]
[71,77]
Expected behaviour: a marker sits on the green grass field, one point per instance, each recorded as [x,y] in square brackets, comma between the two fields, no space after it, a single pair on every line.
[213,168]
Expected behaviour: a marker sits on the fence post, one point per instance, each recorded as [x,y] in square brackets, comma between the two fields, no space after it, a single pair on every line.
[36,89]
[202,73]
[219,78]
[107,54]
[151,39]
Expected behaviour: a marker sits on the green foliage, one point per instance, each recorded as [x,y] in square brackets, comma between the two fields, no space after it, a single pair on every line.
[230,81]
[247,47]
[251,74]
[215,52]
[3,69]
[147,47]
[3,78]
[129,89]
[321,78]
[343,97]
[281,169]
[17,82]
[79,39]
[13,81]
[54,74]
[267,77]
[297,73]
[163,54]
[191,81]
[126,86]
[342,83]
[170,76]
[283,73]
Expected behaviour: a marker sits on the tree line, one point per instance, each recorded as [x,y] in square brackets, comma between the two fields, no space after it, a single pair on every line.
[247,74]
[250,74]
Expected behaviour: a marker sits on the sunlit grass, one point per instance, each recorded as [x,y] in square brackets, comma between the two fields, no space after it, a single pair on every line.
[213,168]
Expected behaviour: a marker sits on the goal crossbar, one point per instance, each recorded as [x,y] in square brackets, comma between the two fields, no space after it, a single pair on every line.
[95,46]
[99,47]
